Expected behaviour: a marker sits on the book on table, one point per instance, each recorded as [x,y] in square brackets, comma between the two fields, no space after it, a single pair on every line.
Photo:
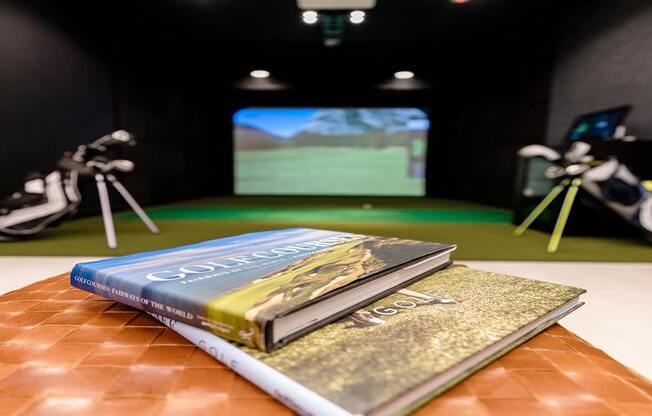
[267,288]
[396,354]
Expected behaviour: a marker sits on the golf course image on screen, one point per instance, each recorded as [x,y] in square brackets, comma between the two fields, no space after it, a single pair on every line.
[330,151]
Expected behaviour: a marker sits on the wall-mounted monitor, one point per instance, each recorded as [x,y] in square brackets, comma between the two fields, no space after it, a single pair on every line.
[598,125]
[330,151]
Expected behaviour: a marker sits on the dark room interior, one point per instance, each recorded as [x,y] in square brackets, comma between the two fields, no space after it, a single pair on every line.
[527,105]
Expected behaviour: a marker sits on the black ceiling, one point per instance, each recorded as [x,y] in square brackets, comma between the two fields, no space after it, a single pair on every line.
[231,37]
[263,26]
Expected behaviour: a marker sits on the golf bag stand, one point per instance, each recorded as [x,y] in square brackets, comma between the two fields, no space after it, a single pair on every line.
[105,204]
[96,164]
[562,218]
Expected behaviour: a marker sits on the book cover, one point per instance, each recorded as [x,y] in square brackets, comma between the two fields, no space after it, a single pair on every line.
[235,286]
[365,362]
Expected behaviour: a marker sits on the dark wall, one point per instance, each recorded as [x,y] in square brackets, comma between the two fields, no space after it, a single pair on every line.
[64,83]
[181,151]
[181,109]
[604,60]
[54,95]
[486,67]
[487,118]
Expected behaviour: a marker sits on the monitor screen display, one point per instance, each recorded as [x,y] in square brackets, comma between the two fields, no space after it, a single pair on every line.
[598,125]
[330,151]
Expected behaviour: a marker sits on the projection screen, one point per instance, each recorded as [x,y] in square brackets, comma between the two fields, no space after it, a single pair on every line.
[330,151]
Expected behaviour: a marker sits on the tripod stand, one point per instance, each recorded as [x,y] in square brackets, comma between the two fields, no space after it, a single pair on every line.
[105,203]
[573,185]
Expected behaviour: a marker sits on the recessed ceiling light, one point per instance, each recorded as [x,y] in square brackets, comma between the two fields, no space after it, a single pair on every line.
[459,1]
[404,75]
[309,17]
[357,17]
[259,73]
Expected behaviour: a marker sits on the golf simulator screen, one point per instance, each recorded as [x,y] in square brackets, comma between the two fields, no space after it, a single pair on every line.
[330,151]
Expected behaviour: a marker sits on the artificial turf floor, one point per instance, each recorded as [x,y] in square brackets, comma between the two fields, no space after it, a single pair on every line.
[481,233]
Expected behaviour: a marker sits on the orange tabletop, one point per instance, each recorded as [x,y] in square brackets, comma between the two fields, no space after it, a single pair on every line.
[64,351]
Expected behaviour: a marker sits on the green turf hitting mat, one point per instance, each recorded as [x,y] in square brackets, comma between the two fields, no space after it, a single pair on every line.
[482,233]
[325,215]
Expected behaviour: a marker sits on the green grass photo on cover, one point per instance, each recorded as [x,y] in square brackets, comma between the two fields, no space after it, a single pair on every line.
[413,335]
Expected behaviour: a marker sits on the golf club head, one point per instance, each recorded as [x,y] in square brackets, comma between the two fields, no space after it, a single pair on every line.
[117,138]
[577,152]
[123,136]
[577,169]
[121,165]
[120,138]
[554,172]
[537,150]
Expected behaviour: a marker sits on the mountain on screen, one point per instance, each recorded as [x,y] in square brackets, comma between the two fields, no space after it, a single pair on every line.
[347,122]
[252,138]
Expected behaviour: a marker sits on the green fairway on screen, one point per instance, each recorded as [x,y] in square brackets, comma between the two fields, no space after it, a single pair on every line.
[330,151]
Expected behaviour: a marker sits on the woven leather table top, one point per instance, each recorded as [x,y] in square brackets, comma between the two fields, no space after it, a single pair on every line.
[64,351]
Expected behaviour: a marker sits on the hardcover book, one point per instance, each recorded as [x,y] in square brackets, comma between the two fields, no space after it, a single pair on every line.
[401,351]
[267,288]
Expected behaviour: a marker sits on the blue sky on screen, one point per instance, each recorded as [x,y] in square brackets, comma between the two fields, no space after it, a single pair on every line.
[283,122]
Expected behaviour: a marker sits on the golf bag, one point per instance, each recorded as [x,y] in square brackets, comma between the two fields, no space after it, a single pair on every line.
[618,189]
[610,183]
[44,201]
[47,200]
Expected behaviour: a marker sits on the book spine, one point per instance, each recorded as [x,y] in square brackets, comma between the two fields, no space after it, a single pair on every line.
[291,393]
[228,326]
[84,278]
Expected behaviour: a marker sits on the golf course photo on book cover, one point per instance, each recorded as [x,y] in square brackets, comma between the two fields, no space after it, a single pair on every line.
[406,339]
[244,310]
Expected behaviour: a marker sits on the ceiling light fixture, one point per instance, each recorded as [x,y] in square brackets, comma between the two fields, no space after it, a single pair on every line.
[309,17]
[259,73]
[459,1]
[357,16]
[404,75]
